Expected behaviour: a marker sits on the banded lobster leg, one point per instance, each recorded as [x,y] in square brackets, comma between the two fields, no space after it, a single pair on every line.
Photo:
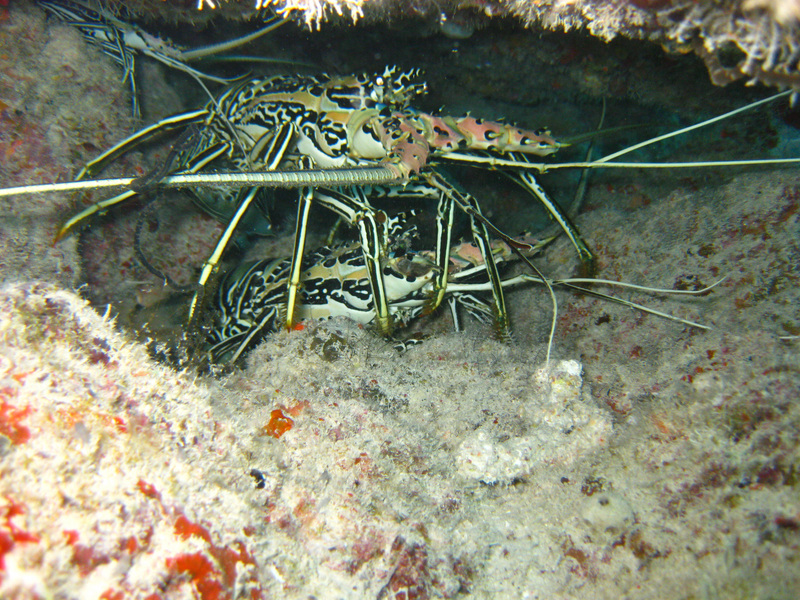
[162,127]
[527,180]
[269,152]
[409,138]
[480,234]
[334,123]
[517,167]
[354,206]
[194,151]
[468,281]
[435,184]
[251,300]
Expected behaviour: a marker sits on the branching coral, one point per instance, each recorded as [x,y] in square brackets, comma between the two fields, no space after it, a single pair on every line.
[313,12]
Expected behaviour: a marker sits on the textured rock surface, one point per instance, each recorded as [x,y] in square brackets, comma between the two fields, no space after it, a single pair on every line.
[666,465]
[754,40]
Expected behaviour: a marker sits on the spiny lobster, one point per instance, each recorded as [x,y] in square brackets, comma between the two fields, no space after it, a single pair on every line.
[287,123]
[251,299]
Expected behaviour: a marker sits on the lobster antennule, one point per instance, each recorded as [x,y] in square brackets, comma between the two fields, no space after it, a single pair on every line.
[450,133]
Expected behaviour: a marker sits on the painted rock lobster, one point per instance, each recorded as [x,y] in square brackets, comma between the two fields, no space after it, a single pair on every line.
[251,299]
[286,123]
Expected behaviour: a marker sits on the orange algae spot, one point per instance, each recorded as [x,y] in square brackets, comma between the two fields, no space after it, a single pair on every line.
[11,534]
[298,327]
[210,581]
[110,594]
[69,417]
[298,407]
[225,557]
[20,377]
[148,489]
[10,426]
[303,507]
[112,422]
[202,574]
[663,426]
[12,147]
[578,555]
[186,528]
[129,545]
[71,535]
[119,424]
[84,557]
[278,424]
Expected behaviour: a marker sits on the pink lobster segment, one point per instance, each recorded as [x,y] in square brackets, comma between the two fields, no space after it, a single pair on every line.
[411,149]
[418,135]
[467,254]
[454,133]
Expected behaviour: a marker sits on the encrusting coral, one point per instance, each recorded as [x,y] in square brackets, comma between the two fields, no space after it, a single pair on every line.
[752,39]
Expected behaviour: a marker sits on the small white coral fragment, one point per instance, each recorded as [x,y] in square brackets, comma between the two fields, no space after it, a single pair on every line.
[784,12]
[607,512]
[480,457]
[560,429]
[564,380]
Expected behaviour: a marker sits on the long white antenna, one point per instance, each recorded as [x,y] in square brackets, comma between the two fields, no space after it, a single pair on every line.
[691,127]
[288,179]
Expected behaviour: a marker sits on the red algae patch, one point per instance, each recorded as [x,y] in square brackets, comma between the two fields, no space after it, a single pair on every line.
[278,424]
